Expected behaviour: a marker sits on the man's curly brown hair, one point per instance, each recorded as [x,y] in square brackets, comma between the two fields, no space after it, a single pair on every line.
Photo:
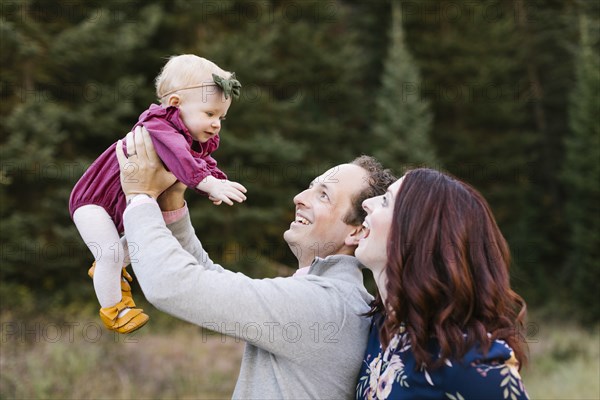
[378,181]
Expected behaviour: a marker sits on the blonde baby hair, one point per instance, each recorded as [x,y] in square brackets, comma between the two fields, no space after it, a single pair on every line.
[185,72]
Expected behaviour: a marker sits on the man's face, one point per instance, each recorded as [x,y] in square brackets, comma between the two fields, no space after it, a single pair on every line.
[319,229]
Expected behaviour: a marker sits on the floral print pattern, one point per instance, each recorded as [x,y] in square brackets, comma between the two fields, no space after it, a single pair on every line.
[393,373]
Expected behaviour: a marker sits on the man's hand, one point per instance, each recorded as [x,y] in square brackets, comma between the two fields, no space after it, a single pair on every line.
[142,171]
[220,190]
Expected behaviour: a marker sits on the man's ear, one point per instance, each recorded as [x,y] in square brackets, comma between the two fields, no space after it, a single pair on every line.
[174,100]
[354,236]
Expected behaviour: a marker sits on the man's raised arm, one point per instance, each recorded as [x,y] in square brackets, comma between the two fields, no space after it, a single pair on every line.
[277,315]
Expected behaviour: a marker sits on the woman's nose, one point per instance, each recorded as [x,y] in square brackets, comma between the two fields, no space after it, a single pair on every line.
[366,205]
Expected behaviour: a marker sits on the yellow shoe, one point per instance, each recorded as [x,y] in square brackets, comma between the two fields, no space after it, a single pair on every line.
[125,287]
[133,320]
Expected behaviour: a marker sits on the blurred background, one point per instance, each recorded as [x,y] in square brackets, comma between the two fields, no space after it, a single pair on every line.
[503,94]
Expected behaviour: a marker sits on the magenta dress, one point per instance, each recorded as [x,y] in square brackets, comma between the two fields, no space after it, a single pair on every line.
[189,160]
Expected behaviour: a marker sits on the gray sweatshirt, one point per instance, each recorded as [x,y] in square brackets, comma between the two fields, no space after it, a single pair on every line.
[305,337]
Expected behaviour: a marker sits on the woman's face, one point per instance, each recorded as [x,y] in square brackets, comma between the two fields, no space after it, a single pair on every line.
[372,248]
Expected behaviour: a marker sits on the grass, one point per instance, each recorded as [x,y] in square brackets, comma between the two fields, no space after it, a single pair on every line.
[81,360]
[74,358]
[564,362]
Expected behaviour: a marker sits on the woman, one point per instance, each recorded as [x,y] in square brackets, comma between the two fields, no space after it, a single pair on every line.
[446,323]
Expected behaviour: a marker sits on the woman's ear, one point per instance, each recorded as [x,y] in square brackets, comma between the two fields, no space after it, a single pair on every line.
[354,236]
[174,100]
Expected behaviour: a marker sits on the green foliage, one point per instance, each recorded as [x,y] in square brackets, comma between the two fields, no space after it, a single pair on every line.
[66,105]
[72,357]
[485,68]
[299,65]
[323,82]
[563,360]
[404,118]
[581,174]
[78,359]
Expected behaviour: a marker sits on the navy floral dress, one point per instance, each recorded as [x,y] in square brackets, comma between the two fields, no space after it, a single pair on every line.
[392,374]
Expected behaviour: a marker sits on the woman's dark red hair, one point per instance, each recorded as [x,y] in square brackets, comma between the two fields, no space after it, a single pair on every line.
[448,271]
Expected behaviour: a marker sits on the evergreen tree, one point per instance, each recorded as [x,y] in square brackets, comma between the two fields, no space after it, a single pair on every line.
[489,69]
[581,174]
[75,78]
[297,116]
[546,33]
[404,119]
[71,85]
[317,76]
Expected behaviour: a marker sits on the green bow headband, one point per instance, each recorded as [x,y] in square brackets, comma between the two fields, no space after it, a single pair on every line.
[230,86]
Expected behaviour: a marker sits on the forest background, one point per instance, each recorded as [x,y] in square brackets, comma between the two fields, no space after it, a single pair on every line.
[502,94]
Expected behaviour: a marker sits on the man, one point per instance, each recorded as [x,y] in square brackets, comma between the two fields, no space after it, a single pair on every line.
[305,335]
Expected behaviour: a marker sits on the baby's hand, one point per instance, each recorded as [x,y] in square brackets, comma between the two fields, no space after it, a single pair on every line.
[220,190]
